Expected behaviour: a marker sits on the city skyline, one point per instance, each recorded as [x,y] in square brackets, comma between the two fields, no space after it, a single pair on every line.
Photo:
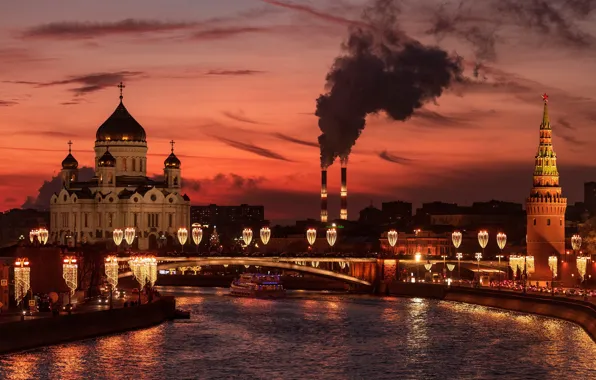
[235,84]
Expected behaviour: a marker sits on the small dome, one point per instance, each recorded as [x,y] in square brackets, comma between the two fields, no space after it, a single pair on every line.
[70,162]
[172,161]
[107,160]
[121,126]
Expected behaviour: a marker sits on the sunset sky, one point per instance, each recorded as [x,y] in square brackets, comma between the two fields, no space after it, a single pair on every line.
[234,83]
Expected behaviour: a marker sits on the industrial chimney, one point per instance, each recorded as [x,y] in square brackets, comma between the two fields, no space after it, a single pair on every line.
[343,214]
[324,195]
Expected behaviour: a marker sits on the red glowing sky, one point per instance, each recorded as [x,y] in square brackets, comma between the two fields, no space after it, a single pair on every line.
[234,82]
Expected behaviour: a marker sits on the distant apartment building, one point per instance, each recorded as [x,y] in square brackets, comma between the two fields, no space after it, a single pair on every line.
[397,211]
[479,214]
[227,215]
[17,223]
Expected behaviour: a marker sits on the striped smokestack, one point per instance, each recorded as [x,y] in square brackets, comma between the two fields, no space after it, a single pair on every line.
[324,195]
[343,214]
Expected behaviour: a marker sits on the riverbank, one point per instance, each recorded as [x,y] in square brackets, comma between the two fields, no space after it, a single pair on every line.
[578,312]
[36,333]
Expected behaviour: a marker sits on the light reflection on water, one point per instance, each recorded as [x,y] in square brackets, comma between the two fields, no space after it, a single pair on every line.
[323,336]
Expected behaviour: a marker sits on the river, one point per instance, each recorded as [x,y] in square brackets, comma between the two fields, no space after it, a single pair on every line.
[322,336]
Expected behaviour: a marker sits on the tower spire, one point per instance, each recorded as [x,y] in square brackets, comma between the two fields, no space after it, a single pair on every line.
[172,144]
[69,146]
[545,118]
[121,87]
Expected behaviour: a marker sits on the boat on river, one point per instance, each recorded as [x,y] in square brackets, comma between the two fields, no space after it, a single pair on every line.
[258,286]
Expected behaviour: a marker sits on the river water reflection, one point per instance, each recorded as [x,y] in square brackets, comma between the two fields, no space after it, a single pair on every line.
[323,336]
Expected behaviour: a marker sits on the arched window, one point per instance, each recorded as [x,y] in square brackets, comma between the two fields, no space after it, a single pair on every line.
[534,221]
[134,165]
[548,222]
[141,165]
[124,166]
[175,181]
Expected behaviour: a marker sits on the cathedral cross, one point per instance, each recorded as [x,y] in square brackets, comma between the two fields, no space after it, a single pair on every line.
[172,144]
[121,87]
[545,97]
[69,146]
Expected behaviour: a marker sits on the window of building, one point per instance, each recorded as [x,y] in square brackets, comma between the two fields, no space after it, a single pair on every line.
[86,219]
[99,219]
[64,219]
[170,220]
[548,222]
[110,219]
[136,219]
[153,220]
[560,222]
[124,166]
[534,221]
[74,221]
[140,165]
[134,164]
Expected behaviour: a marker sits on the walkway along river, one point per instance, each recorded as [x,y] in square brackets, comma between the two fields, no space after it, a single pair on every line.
[323,336]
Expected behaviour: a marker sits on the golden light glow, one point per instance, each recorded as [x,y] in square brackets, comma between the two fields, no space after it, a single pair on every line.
[392,238]
[576,242]
[182,235]
[22,278]
[552,264]
[151,264]
[450,267]
[331,236]
[111,267]
[501,240]
[69,273]
[530,268]
[32,235]
[265,235]
[129,235]
[483,238]
[139,269]
[197,233]
[417,257]
[311,235]
[247,236]
[42,235]
[582,263]
[456,239]
[459,255]
[478,256]
[117,235]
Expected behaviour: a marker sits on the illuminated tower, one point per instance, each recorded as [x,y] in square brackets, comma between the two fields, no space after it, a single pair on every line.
[343,213]
[70,172]
[324,195]
[545,207]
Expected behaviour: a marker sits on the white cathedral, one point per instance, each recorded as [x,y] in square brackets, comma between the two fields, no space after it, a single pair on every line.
[120,195]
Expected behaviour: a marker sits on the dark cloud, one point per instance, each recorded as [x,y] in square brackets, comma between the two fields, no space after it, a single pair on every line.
[227,32]
[565,124]
[233,72]
[54,185]
[436,119]
[263,152]
[239,116]
[88,83]
[317,13]
[8,103]
[385,155]
[10,200]
[379,71]
[51,134]
[220,181]
[294,140]
[70,30]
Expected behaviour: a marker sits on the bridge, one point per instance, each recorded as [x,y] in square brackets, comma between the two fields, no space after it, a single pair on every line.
[355,271]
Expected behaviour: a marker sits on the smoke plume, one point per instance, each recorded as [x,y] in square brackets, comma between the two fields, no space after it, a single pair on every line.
[381,70]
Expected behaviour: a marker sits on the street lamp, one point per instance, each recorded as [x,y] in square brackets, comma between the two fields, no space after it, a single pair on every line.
[311,236]
[197,234]
[459,256]
[456,238]
[483,239]
[576,243]
[501,242]
[247,236]
[478,258]
[139,271]
[392,238]
[331,236]
[182,237]
[552,264]
[265,234]
[582,264]
[69,273]
[117,235]
[129,235]
[111,267]
[42,235]
[22,281]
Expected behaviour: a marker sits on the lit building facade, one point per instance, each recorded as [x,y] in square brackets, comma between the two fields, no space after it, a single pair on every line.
[120,195]
[545,207]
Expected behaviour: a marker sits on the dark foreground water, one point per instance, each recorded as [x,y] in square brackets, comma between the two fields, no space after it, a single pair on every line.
[323,336]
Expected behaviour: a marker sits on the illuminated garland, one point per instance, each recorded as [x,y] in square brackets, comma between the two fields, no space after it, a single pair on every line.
[151,270]
[22,278]
[552,263]
[69,273]
[581,266]
[530,265]
[111,267]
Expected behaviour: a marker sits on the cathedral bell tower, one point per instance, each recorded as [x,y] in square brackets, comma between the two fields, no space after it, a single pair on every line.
[545,207]
[172,171]
[70,171]
[106,171]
